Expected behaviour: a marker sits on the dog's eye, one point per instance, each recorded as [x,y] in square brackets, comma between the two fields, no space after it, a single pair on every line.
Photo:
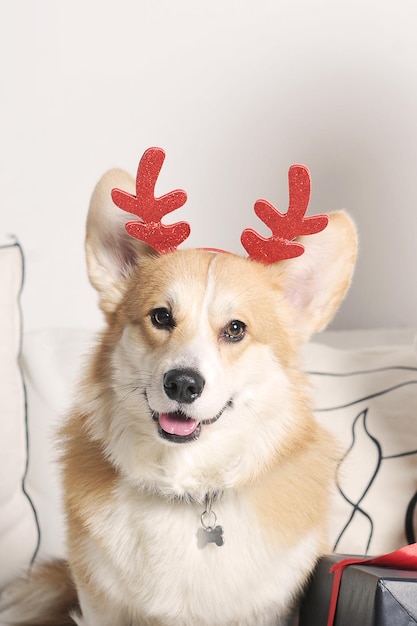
[234,331]
[162,318]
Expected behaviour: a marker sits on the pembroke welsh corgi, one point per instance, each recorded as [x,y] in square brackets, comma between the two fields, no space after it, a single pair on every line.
[196,481]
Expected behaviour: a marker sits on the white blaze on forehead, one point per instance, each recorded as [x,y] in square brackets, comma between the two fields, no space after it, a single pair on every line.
[192,296]
[209,293]
[193,302]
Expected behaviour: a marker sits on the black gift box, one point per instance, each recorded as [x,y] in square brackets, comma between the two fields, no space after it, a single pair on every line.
[368,596]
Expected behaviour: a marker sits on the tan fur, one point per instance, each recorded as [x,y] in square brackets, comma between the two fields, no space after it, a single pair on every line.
[295,492]
[134,500]
[49,588]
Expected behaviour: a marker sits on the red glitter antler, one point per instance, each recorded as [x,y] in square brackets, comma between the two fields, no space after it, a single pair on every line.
[150,209]
[285,227]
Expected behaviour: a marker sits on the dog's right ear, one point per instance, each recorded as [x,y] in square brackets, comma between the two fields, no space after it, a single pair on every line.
[111,252]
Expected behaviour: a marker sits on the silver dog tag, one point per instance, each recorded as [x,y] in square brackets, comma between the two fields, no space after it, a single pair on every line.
[210,535]
[210,531]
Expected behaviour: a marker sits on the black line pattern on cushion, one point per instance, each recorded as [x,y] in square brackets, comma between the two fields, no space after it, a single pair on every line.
[17,245]
[370,397]
[402,454]
[361,420]
[410,531]
[405,368]
[356,505]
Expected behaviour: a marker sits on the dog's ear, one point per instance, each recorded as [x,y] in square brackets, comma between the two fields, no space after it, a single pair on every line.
[315,283]
[110,251]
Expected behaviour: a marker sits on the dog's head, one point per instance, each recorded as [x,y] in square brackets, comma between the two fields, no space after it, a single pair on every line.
[196,384]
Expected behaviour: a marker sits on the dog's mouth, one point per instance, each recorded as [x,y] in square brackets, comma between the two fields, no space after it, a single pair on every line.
[179,428]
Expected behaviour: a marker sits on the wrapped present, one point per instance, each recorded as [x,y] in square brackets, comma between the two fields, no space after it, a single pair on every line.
[368,592]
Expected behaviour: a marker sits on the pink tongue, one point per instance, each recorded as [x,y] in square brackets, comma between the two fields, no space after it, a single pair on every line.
[174,424]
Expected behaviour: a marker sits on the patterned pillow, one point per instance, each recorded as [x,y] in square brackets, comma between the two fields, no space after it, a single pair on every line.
[19,534]
[368,399]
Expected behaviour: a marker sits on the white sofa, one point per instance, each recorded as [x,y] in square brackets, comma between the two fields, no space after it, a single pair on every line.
[365,391]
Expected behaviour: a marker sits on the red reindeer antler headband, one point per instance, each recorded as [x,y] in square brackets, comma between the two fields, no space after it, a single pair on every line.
[285,227]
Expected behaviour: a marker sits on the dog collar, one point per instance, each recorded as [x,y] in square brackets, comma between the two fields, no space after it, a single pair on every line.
[163,238]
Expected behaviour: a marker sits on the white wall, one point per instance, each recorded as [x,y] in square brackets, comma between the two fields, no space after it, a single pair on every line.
[235,91]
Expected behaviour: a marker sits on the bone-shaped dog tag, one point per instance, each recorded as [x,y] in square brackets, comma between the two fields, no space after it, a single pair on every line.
[210,532]
[210,535]
[215,535]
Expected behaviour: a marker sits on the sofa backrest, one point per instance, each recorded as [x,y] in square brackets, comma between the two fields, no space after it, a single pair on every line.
[366,395]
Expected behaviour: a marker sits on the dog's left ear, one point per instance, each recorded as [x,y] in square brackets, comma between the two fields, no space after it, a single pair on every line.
[315,283]
[110,251]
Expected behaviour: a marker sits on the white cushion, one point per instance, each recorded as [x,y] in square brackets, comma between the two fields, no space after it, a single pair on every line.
[18,527]
[37,380]
[51,363]
[368,399]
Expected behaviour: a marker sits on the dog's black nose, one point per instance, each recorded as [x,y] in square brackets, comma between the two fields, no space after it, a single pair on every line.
[183,385]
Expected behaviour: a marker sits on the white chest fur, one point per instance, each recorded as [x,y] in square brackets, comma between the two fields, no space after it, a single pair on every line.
[147,554]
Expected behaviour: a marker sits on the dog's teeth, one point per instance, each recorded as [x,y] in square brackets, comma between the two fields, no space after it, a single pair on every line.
[174,424]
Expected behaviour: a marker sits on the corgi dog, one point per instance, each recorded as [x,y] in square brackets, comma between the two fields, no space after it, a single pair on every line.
[196,482]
